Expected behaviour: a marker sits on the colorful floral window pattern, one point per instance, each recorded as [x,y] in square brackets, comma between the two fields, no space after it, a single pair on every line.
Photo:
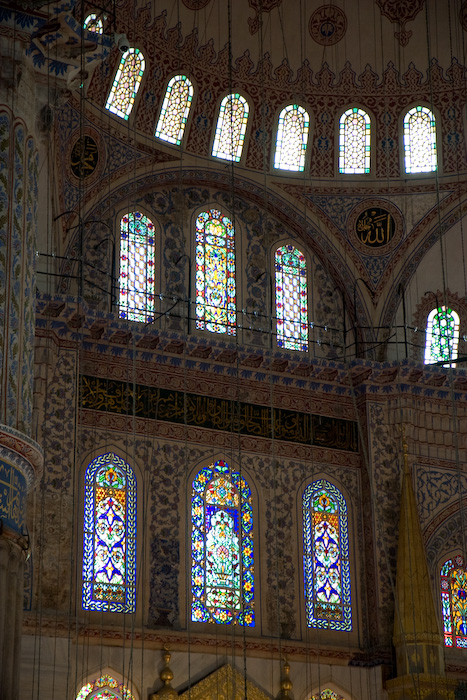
[327,694]
[222,566]
[215,273]
[175,110]
[326,557]
[106,687]
[231,128]
[109,561]
[292,138]
[291,299]
[354,142]
[442,336]
[93,23]
[420,141]
[137,263]
[126,83]
[454,602]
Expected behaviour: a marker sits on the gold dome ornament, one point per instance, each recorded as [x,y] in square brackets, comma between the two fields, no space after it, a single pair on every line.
[166,676]
[286,684]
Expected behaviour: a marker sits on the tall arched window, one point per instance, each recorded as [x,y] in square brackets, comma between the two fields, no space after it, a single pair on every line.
[420,141]
[126,83]
[175,110]
[354,141]
[453,581]
[292,138]
[105,687]
[231,128]
[215,273]
[93,23]
[442,336]
[291,298]
[222,558]
[137,263]
[326,557]
[109,548]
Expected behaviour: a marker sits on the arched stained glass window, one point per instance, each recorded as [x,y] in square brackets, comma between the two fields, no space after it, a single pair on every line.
[222,557]
[420,141]
[93,23]
[126,83]
[137,263]
[215,273]
[231,128]
[105,687]
[327,694]
[454,602]
[354,142]
[326,557]
[442,336]
[292,138]
[175,110]
[109,559]
[291,298]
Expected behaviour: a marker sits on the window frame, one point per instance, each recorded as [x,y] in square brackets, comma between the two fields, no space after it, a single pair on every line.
[372,149]
[307,158]
[188,116]
[246,135]
[132,110]
[421,173]
[277,245]
[429,335]
[457,560]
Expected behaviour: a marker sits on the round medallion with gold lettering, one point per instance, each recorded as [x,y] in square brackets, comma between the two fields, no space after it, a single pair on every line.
[84,157]
[375,227]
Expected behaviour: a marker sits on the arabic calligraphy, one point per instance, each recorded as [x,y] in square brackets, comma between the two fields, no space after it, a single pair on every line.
[84,157]
[375,227]
[218,414]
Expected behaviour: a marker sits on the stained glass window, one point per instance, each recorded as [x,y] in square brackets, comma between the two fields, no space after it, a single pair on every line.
[105,687]
[231,128]
[222,558]
[326,557]
[215,273]
[326,694]
[126,83]
[109,560]
[291,298]
[354,141]
[93,23]
[292,138]
[420,141]
[137,262]
[175,110]
[442,336]
[454,602]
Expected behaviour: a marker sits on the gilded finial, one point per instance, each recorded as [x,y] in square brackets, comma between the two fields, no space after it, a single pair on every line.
[286,684]
[166,676]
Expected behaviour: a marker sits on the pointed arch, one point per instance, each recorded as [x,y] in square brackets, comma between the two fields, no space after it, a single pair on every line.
[420,149]
[222,551]
[326,557]
[231,128]
[442,336]
[175,110]
[215,273]
[126,83]
[354,141]
[109,542]
[453,584]
[292,138]
[291,298]
[137,268]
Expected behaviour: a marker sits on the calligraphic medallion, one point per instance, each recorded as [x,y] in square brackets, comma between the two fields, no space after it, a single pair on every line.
[375,227]
[327,25]
[84,157]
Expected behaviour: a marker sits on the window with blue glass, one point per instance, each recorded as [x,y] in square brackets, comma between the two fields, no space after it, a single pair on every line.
[222,553]
[326,557]
[291,298]
[109,544]
[442,336]
[126,83]
[453,580]
[420,150]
